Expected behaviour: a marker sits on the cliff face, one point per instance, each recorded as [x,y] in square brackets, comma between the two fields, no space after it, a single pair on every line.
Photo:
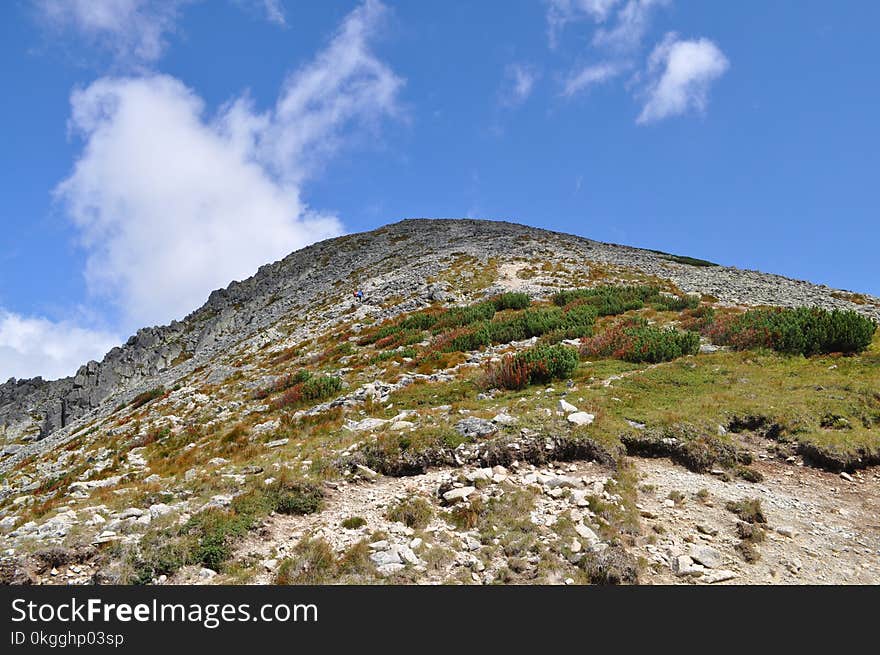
[397,258]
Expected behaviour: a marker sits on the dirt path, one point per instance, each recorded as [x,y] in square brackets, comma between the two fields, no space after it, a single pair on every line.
[834,524]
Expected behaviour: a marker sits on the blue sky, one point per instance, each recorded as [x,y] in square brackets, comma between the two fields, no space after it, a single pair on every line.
[155,150]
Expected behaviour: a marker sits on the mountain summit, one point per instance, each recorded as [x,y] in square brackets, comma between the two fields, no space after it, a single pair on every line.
[466,400]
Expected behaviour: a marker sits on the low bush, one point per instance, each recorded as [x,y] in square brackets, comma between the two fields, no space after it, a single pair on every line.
[353,522]
[610,300]
[535,365]
[665,303]
[461,316]
[572,322]
[282,384]
[636,341]
[296,498]
[311,562]
[313,388]
[804,331]
[147,396]
[748,510]
[697,319]
[511,300]
[414,512]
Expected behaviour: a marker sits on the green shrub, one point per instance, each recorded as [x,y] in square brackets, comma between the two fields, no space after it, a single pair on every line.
[147,396]
[297,498]
[535,365]
[311,562]
[282,384]
[611,300]
[573,322]
[317,387]
[413,512]
[804,331]
[353,522]
[511,300]
[748,510]
[214,531]
[461,316]
[698,318]
[666,303]
[420,321]
[636,341]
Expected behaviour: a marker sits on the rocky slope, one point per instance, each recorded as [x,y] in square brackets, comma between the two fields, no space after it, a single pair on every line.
[172,424]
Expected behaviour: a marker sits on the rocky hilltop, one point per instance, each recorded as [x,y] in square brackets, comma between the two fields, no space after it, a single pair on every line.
[383,442]
[404,255]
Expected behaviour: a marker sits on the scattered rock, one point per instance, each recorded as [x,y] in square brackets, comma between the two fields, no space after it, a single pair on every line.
[581,418]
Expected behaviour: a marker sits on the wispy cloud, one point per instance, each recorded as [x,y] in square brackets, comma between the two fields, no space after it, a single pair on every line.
[629,28]
[135,32]
[271,10]
[591,75]
[274,12]
[519,82]
[562,12]
[680,75]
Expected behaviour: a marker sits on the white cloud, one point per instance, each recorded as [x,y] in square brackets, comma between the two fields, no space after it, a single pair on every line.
[630,26]
[171,203]
[519,84]
[590,76]
[680,74]
[132,30]
[274,12]
[36,346]
[271,10]
[562,12]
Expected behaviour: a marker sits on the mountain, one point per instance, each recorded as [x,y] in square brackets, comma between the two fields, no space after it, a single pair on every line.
[504,404]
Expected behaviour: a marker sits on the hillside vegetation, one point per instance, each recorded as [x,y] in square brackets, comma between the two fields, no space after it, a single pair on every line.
[500,425]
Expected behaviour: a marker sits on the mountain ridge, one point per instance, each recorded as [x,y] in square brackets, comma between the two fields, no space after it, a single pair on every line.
[153,350]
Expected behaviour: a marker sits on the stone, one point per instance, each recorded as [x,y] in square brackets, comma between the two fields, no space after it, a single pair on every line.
[684,566]
[369,423]
[383,557]
[566,406]
[706,555]
[586,533]
[846,476]
[478,474]
[504,419]
[390,568]
[475,428]
[455,495]
[580,418]
[366,472]
[160,509]
[720,576]
[397,426]
[407,555]
[277,443]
